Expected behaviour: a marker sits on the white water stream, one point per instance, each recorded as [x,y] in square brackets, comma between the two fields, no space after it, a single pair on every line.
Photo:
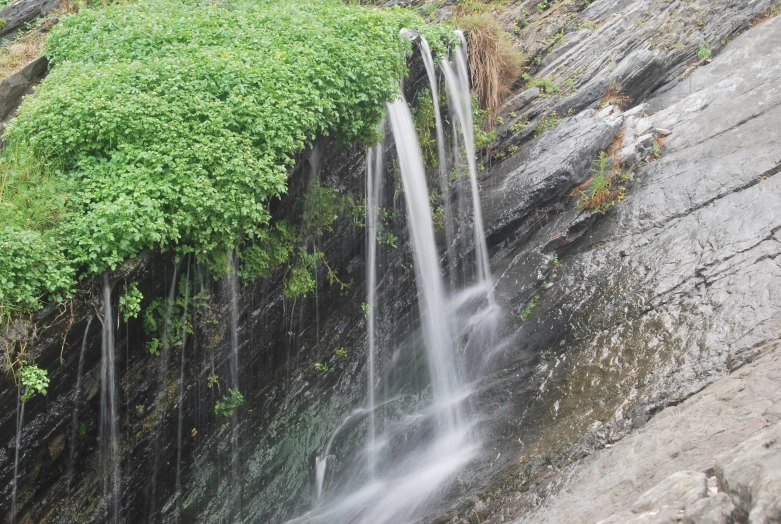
[410,460]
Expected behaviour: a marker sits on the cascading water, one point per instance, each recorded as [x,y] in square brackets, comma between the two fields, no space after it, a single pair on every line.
[460,99]
[109,416]
[374,192]
[233,288]
[439,341]
[411,461]
[442,163]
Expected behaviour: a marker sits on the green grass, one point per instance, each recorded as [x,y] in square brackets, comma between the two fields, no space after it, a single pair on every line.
[171,124]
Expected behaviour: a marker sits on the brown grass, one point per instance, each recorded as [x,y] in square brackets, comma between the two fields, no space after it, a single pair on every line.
[494,61]
[16,55]
[606,187]
[614,96]
[764,16]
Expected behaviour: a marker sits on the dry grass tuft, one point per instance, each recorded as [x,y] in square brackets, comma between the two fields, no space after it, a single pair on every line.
[607,186]
[494,61]
[764,16]
[16,55]
[614,96]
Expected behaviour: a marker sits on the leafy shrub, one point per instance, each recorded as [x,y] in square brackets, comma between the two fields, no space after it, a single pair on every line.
[171,124]
[34,380]
[229,403]
[130,302]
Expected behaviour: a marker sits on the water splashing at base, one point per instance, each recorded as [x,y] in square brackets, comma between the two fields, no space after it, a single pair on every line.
[412,459]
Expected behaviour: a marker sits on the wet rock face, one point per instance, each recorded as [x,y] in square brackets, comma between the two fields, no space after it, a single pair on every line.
[636,311]
[676,286]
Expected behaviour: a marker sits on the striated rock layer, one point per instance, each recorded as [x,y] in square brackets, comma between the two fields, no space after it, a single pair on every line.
[645,350]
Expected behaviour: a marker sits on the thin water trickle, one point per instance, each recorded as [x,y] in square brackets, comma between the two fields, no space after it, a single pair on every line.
[460,99]
[109,423]
[17,445]
[77,405]
[322,460]
[233,289]
[374,192]
[178,483]
[430,434]
[431,73]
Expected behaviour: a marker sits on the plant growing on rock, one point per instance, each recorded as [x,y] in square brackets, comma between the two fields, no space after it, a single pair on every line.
[171,125]
[703,52]
[226,406]
[546,122]
[130,302]
[604,189]
[33,379]
[494,61]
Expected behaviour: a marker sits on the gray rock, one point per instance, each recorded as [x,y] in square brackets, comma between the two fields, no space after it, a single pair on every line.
[751,474]
[21,12]
[15,86]
[711,510]
[664,515]
[676,491]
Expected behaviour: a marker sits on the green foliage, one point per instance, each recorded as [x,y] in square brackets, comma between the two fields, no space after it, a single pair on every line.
[479,116]
[546,85]
[33,379]
[178,322]
[365,309]
[271,250]
[546,122]
[341,353]
[130,302]
[703,51]
[212,380]
[321,367]
[82,429]
[388,239]
[425,125]
[604,189]
[530,307]
[171,124]
[229,403]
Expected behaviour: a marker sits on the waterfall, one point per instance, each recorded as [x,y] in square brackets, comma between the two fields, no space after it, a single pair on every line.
[439,342]
[109,435]
[321,462]
[17,445]
[374,170]
[460,99]
[431,73]
[77,404]
[233,288]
